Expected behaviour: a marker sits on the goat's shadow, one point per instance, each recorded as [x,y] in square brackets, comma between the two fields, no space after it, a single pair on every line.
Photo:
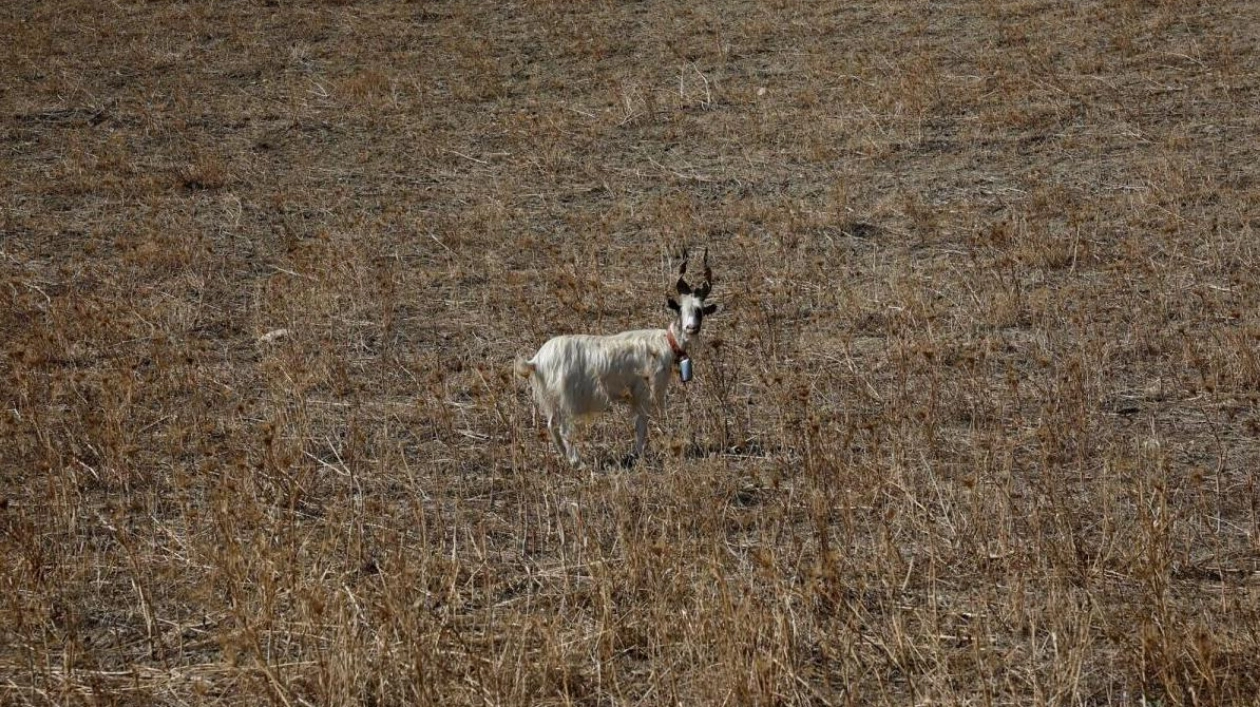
[747,448]
[625,462]
[691,451]
[629,461]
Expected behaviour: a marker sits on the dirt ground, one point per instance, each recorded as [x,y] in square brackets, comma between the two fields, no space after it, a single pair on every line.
[975,424]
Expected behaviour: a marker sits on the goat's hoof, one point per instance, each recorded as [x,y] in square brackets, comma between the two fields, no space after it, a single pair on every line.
[629,460]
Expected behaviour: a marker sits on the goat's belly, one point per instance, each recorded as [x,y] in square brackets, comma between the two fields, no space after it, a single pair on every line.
[591,406]
[597,404]
[590,411]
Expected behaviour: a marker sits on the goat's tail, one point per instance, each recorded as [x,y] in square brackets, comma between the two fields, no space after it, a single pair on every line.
[524,368]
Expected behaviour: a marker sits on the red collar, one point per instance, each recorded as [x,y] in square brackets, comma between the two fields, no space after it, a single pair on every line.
[679,352]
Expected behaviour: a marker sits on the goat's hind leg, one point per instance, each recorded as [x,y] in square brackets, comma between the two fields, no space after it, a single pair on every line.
[560,430]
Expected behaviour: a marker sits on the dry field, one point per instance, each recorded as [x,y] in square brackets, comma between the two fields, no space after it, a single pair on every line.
[977,422]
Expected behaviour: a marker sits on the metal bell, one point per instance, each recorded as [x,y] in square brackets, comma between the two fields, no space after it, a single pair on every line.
[684,369]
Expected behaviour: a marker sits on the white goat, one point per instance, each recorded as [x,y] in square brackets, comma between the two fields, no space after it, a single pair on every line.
[577,376]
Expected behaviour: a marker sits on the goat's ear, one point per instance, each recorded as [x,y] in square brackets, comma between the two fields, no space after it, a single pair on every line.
[669,302]
[683,287]
[709,308]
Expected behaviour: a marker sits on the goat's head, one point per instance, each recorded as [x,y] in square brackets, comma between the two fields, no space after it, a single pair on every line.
[690,304]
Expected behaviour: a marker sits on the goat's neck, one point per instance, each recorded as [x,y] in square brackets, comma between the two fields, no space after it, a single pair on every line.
[683,338]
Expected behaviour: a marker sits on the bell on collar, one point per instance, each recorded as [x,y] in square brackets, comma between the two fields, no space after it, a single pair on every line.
[684,369]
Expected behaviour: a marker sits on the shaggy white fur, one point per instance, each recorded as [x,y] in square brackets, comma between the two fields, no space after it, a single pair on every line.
[579,375]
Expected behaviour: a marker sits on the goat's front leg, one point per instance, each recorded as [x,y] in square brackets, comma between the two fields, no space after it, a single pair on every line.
[643,398]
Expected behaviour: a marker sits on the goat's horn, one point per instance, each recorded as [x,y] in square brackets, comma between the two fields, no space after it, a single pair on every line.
[683,287]
[708,273]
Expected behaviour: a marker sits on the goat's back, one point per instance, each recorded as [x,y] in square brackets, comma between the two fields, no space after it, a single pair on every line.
[583,374]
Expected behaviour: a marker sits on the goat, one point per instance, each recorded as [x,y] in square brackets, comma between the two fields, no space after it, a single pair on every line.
[579,375]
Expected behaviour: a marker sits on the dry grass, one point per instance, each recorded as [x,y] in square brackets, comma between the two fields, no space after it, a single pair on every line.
[978,422]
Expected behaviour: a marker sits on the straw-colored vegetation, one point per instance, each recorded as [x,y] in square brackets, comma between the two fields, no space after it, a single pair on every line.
[977,422]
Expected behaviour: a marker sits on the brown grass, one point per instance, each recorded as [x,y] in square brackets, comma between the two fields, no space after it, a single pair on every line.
[977,423]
